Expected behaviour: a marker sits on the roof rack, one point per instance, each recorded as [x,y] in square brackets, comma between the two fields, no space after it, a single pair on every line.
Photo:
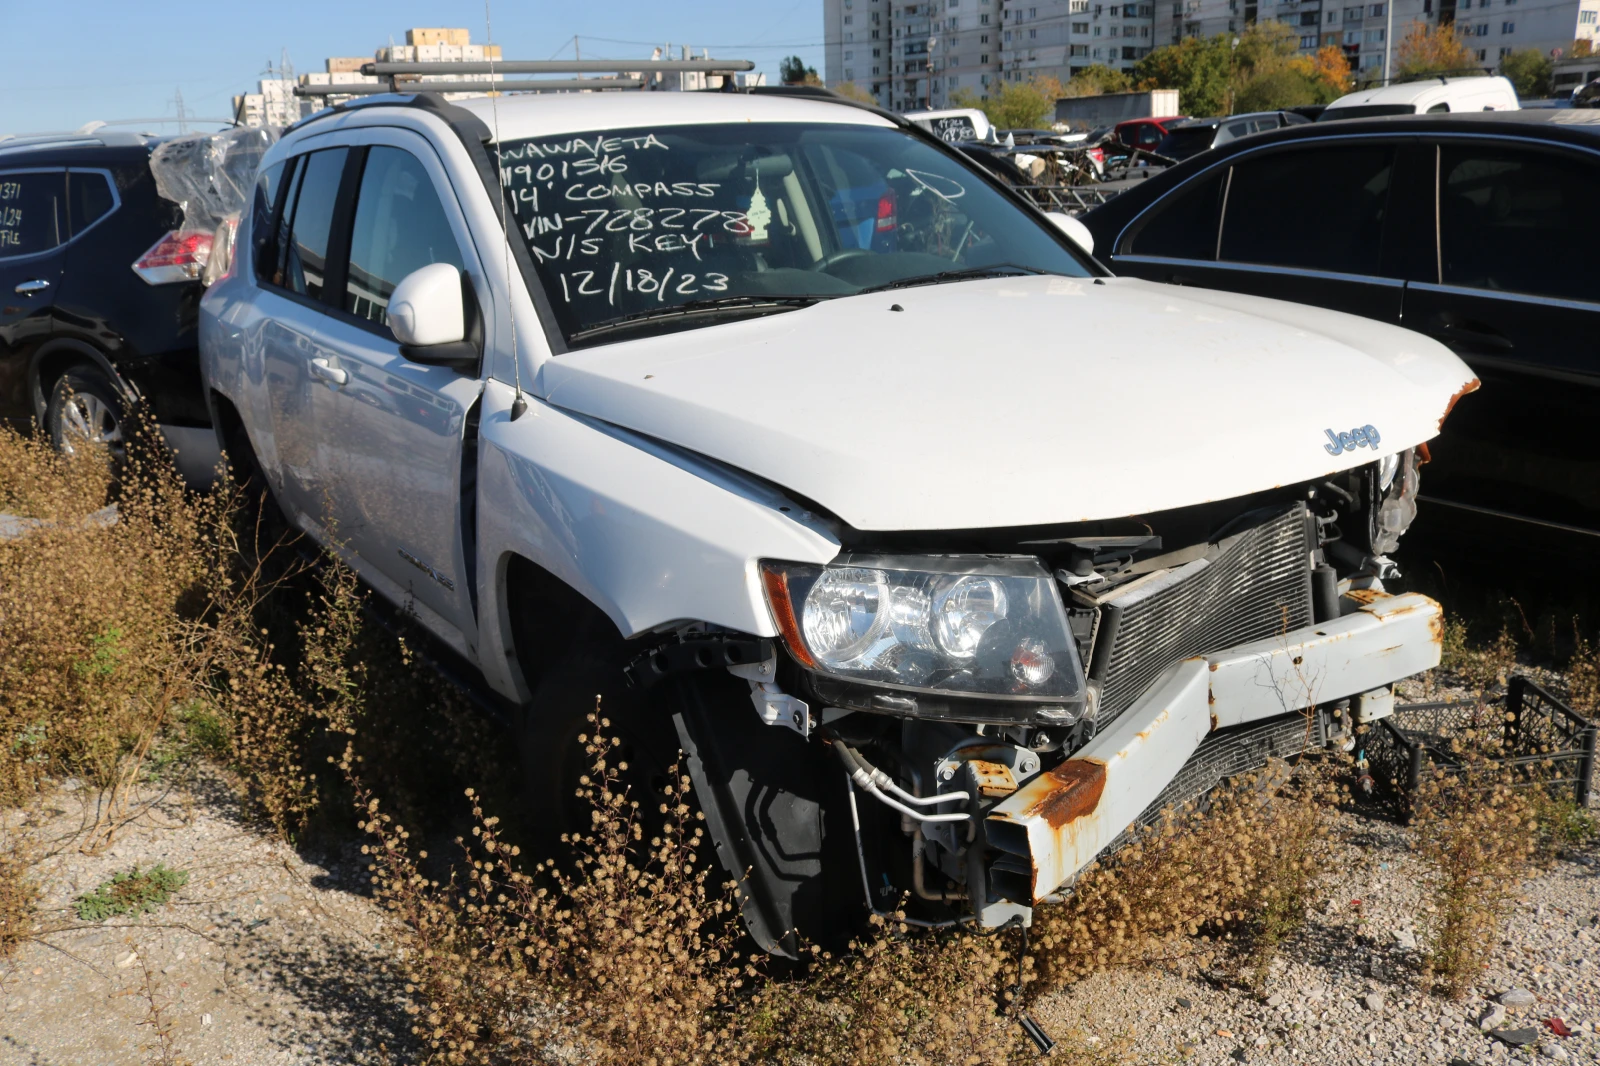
[406,77]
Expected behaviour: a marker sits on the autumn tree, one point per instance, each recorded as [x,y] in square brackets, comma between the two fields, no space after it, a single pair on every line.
[1528,70]
[1331,69]
[1433,51]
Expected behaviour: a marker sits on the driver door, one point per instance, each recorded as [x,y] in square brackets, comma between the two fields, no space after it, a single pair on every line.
[391,433]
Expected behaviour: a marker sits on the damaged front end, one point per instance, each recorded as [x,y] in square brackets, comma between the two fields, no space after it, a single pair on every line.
[1003,707]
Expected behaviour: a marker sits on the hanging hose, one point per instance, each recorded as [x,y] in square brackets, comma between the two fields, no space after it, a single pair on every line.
[873,781]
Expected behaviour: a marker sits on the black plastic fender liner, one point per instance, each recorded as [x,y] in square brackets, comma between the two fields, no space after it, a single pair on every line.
[775,807]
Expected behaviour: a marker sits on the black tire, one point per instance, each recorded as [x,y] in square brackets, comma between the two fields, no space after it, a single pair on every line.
[554,760]
[85,407]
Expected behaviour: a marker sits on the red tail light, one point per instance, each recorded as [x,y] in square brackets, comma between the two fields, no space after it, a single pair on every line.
[1098,155]
[174,258]
[886,222]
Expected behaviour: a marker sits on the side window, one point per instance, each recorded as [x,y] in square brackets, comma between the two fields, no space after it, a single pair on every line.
[90,198]
[400,226]
[1345,232]
[262,218]
[1183,226]
[306,261]
[1517,221]
[32,211]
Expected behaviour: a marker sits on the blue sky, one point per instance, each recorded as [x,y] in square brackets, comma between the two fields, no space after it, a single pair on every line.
[70,61]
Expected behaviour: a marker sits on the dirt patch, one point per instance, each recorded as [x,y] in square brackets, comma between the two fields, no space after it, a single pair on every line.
[264,955]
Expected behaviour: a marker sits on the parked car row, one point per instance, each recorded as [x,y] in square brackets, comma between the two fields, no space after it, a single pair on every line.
[1476,229]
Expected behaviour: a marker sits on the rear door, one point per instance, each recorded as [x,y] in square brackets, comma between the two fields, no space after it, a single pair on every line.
[1303,222]
[33,235]
[1513,291]
[390,432]
[293,306]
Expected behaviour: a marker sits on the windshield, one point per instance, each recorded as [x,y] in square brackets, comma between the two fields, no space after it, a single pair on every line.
[1334,114]
[658,223]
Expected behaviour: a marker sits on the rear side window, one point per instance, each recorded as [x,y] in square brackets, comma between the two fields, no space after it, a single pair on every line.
[1343,234]
[263,218]
[400,227]
[1182,226]
[1517,221]
[32,211]
[306,263]
[90,196]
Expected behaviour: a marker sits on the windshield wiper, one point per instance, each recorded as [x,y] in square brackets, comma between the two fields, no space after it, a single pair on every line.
[993,270]
[715,306]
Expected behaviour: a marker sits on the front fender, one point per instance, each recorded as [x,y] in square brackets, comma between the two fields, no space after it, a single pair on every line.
[648,535]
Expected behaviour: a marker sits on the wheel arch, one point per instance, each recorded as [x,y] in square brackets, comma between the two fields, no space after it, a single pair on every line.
[542,619]
[58,355]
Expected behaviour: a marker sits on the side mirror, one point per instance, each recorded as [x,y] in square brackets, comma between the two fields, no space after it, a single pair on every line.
[1077,231]
[428,315]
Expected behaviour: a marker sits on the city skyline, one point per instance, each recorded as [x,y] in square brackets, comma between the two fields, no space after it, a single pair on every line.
[119,63]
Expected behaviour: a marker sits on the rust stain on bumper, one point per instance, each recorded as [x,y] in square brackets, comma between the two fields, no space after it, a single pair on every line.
[1077,787]
[1471,386]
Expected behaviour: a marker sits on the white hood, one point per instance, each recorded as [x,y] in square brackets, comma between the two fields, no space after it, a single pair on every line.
[1022,401]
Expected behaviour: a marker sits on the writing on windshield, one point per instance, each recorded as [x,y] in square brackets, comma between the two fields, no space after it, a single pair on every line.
[620,222]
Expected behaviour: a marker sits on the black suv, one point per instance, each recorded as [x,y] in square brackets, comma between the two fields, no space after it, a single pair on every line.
[98,294]
[1479,229]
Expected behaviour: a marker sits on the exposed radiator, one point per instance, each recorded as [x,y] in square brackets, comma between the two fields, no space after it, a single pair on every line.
[1254,583]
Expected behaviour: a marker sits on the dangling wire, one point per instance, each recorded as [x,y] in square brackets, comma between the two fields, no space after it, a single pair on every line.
[519,406]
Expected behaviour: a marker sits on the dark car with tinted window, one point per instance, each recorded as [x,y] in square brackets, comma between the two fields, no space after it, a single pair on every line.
[1477,229]
[98,293]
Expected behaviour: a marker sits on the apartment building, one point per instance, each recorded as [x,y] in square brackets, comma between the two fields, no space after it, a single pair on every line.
[912,55]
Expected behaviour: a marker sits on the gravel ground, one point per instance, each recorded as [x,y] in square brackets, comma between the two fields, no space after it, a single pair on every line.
[263,957]
[1346,989]
[269,956]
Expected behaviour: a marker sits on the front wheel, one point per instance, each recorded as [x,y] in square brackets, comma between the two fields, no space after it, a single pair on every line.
[86,409]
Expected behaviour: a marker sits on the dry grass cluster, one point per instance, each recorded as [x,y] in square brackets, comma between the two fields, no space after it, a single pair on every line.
[1477,837]
[1222,883]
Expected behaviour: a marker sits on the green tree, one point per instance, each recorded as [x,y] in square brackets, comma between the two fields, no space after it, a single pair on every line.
[1018,105]
[1274,90]
[1095,80]
[1198,67]
[792,70]
[1528,69]
[851,91]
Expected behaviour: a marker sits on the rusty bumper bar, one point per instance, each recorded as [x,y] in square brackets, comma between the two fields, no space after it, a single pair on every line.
[1063,818]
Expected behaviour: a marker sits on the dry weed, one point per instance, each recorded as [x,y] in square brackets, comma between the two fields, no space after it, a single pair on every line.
[19,894]
[1476,838]
[1229,881]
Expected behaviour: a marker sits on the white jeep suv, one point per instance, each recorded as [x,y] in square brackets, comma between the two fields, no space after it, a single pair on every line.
[805,445]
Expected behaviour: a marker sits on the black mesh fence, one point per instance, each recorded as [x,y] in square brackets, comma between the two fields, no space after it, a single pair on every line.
[1528,729]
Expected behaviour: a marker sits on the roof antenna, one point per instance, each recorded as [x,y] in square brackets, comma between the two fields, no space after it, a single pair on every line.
[519,406]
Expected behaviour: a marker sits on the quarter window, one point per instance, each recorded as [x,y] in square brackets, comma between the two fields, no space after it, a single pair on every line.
[306,263]
[400,226]
[32,211]
[90,197]
[1517,222]
[1344,234]
[1184,227]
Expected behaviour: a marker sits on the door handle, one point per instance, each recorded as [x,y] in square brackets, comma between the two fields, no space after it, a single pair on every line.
[331,374]
[1469,337]
[28,288]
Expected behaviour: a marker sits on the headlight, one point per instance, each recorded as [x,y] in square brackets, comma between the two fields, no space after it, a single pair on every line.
[982,626]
